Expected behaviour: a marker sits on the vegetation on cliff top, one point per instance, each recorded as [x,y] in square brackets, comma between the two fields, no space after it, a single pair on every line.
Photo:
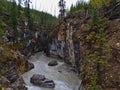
[95,21]
[14,19]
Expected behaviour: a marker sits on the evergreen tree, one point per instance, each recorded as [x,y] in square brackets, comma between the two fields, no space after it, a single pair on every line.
[95,16]
[19,10]
[27,13]
[62,5]
[85,7]
[13,19]
[72,8]
[96,6]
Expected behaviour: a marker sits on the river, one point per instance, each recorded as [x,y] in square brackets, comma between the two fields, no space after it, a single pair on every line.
[64,79]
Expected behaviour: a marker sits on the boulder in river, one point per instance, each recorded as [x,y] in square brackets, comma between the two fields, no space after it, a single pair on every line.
[53,63]
[40,80]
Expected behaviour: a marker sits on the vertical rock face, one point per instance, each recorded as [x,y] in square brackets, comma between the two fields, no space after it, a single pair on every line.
[57,48]
[64,46]
[77,48]
[69,45]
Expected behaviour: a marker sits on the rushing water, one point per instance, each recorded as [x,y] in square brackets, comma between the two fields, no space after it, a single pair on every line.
[63,78]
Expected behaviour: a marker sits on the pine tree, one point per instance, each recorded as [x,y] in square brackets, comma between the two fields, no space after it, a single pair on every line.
[13,19]
[27,14]
[62,5]
[95,16]
[72,8]
[96,6]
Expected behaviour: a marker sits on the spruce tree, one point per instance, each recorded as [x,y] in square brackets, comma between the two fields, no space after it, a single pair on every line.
[62,5]
[13,19]
[27,14]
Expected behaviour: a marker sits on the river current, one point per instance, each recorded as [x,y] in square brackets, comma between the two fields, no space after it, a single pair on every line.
[64,78]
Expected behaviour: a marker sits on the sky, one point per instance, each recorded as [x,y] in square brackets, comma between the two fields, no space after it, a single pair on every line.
[50,6]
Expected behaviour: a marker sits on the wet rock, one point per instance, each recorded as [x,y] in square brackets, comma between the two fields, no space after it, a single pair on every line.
[60,71]
[5,82]
[28,66]
[61,56]
[19,84]
[72,70]
[1,50]
[12,74]
[37,78]
[7,89]
[53,63]
[40,80]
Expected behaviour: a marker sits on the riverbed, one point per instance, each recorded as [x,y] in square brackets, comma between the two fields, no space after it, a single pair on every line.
[64,78]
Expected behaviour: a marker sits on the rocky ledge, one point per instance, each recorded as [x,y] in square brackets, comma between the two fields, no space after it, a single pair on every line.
[41,80]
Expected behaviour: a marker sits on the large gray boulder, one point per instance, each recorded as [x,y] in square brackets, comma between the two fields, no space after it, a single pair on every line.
[40,80]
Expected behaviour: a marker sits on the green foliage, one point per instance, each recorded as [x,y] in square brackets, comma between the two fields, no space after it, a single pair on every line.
[72,8]
[75,37]
[28,16]
[18,15]
[98,56]
[98,60]
[95,16]
[22,69]
[104,23]
[91,37]
[1,27]
[43,19]
[99,3]
[79,5]
[5,55]
[13,19]
[0,87]
[93,84]
[3,4]
[1,33]
[81,9]
[100,37]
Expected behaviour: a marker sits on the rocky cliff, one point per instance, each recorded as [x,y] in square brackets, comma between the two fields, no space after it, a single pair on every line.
[93,50]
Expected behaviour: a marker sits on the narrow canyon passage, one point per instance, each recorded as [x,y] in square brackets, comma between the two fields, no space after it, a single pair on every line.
[61,74]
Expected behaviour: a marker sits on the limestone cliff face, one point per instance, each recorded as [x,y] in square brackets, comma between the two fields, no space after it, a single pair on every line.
[64,45]
[57,48]
[94,50]
[69,46]
[80,41]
